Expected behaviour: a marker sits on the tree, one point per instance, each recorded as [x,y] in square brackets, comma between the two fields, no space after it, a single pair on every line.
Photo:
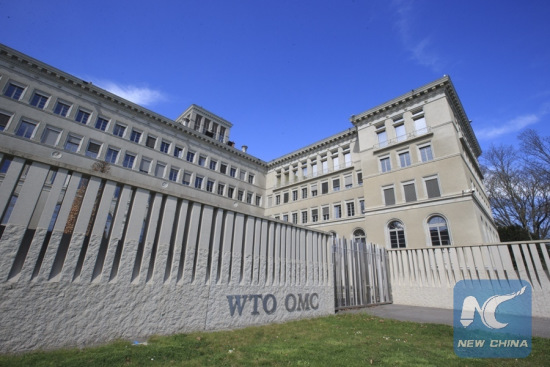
[518,184]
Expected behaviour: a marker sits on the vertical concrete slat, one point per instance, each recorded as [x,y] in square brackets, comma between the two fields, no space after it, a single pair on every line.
[246,279]
[264,250]
[190,248]
[539,270]
[165,236]
[149,241]
[227,240]
[455,264]
[271,252]
[237,251]
[258,249]
[506,259]
[217,249]
[530,268]
[9,182]
[203,246]
[173,268]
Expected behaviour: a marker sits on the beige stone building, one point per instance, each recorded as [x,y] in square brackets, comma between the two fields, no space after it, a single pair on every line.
[403,174]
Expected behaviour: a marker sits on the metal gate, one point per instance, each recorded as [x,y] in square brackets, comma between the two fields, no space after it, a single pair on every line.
[360,274]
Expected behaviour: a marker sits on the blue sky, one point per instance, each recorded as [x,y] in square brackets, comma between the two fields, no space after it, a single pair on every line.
[289,73]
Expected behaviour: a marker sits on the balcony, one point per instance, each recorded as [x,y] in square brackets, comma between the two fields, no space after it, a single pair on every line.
[318,174]
[403,138]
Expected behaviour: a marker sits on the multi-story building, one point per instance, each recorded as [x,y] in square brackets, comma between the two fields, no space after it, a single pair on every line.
[405,174]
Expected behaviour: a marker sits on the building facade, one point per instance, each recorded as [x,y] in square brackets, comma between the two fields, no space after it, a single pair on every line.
[404,174]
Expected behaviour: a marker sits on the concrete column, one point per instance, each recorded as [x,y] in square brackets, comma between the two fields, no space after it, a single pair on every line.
[237,249]
[248,251]
[258,248]
[265,249]
[227,242]
[270,252]
[191,245]
[217,249]
[141,269]
[176,269]
[164,240]
[203,246]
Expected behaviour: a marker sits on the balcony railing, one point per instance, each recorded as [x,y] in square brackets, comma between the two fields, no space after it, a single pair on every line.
[320,173]
[402,138]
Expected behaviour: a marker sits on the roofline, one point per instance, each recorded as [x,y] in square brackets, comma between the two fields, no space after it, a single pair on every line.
[205,112]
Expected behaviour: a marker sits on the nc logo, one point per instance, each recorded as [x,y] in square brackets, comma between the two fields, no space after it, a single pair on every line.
[487,311]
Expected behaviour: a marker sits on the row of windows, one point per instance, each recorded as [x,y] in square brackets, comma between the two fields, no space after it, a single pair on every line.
[437,227]
[409,192]
[83,116]
[399,129]
[312,169]
[425,154]
[113,155]
[314,215]
[336,183]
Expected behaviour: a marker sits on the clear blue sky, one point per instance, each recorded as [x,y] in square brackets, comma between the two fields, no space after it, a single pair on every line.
[289,73]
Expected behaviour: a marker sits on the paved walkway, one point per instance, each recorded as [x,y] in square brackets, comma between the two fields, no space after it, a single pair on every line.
[541,326]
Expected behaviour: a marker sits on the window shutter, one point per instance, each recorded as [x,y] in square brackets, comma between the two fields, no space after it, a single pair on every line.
[389,196]
[410,193]
[432,188]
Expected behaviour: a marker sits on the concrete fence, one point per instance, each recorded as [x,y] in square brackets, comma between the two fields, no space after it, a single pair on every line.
[85,260]
[426,277]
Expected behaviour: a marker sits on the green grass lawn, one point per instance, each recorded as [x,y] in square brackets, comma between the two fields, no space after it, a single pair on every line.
[340,340]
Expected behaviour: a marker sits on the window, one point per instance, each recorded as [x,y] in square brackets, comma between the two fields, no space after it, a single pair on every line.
[389,196]
[249,197]
[232,172]
[285,197]
[439,232]
[295,218]
[294,195]
[314,190]
[151,141]
[250,178]
[173,176]
[111,155]
[4,120]
[209,185]
[61,109]
[432,187]
[135,136]
[129,160]
[5,165]
[202,160]
[314,215]
[336,184]
[119,130]
[404,159]
[362,205]
[382,138]
[240,195]
[410,192]
[186,180]
[348,182]
[314,169]
[39,100]
[178,152]
[223,168]
[50,136]
[419,122]
[326,215]
[347,159]
[101,124]
[25,129]
[160,168]
[324,166]
[145,165]
[221,188]
[190,156]
[82,117]
[385,165]
[73,143]
[397,234]
[426,153]
[350,207]
[93,149]
[335,162]
[304,170]
[14,91]
[213,164]
[242,175]
[304,217]
[198,182]
[304,192]
[400,132]
[324,187]
[277,199]
[285,217]
[359,236]
[164,146]
[337,211]
[230,191]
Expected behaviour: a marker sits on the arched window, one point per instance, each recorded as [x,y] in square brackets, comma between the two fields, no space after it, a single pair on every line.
[397,234]
[359,236]
[439,232]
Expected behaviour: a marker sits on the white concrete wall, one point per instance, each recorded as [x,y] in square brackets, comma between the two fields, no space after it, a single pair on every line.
[163,265]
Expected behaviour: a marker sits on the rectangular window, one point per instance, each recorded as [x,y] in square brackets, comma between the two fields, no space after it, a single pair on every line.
[426,153]
[221,188]
[73,143]
[350,207]
[223,168]
[385,165]
[304,217]
[129,160]
[250,178]
[400,132]
[294,195]
[151,141]
[39,100]
[285,217]
[242,175]
[304,192]
[135,136]
[419,122]
[432,187]
[93,149]
[186,180]
[404,159]
[249,197]
[258,200]
[314,215]
[347,159]
[111,155]
[348,181]
[173,176]
[198,182]
[277,199]
[4,120]
[160,169]
[324,187]
[50,136]
[178,152]
[232,172]
[82,117]
[337,211]
[410,192]
[389,196]
[230,191]
[326,214]
[209,185]
[145,165]
[213,164]
[202,160]
[25,129]
[295,218]
[314,190]
[61,109]
[382,138]
[119,130]
[304,170]
[359,178]
[101,124]
[314,169]
[362,205]
[324,166]
[14,91]
[285,197]
[240,195]
[335,163]
[164,146]
[336,184]
[190,156]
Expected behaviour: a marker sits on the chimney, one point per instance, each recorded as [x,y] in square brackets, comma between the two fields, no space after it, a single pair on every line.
[244,148]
